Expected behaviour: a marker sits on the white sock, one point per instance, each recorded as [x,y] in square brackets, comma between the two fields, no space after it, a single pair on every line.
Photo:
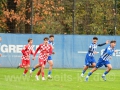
[87,76]
[103,74]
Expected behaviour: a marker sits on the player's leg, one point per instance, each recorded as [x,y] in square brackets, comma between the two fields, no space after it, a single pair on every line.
[34,68]
[87,63]
[50,61]
[109,67]
[42,69]
[98,65]
[20,65]
[38,74]
[90,73]
[26,67]
[84,70]
[39,71]
[93,62]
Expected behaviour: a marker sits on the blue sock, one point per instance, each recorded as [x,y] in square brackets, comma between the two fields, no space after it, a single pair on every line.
[49,72]
[90,73]
[83,71]
[33,69]
[106,72]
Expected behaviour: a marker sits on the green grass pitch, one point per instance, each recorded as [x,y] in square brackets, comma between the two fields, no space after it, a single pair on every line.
[63,79]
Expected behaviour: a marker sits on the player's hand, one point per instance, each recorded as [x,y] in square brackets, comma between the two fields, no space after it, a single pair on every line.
[116,51]
[52,47]
[33,58]
[110,57]
[95,52]
[108,41]
[47,54]
[0,55]
[53,52]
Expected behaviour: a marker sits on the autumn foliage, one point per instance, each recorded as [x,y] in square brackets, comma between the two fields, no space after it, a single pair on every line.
[56,16]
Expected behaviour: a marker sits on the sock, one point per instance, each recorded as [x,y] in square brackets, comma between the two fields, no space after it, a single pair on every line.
[106,72]
[38,73]
[83,71]
[33,69]
[25,71]
[49,72]
[42,74]
[90,73]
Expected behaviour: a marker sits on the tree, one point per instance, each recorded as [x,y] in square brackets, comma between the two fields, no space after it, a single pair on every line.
[28,16]
[56,16]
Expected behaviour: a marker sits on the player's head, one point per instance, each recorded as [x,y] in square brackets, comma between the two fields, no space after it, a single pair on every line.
[113,43]
[30,41]
[95,39]
[46,40]
[0,38]
[51,38]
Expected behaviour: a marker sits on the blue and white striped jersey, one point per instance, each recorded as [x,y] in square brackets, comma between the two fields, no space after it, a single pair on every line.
[107,53]
[93,48]
[51,43]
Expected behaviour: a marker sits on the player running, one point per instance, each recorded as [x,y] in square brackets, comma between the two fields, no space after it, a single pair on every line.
[26,51]
[104,60]
[45,50]
[89,59]
[50,61]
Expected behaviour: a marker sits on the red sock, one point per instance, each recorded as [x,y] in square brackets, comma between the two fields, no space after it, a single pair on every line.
[42,74]
[38,73]
[25,71]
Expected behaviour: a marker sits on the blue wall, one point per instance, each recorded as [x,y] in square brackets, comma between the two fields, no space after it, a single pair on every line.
[66,49]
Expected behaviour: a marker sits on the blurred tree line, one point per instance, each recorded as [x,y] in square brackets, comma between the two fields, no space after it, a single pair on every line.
[101,17]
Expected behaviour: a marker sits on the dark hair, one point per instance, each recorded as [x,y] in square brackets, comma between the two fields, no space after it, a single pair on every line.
[46,38]
[113,41]
[95,38]
[29,39]
[51,36]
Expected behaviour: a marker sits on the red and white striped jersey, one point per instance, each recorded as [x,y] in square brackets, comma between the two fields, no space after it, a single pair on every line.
[45,51]
[26,51]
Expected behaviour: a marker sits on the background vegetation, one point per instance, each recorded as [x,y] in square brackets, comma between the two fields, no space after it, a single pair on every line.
[101,17]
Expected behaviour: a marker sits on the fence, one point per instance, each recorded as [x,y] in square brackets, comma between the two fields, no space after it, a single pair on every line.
[70,49]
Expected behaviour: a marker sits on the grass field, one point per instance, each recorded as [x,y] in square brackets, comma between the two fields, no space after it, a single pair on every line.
[63,79]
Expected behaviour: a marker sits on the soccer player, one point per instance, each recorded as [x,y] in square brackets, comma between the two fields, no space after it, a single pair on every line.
[45,50]
[89,60]
[104,60]
[26,51]
[50,61]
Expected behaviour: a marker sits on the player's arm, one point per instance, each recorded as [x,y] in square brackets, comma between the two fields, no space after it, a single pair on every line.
[50,50]
[36,52]
[103,43]
[90,49]
[24,50]
[32,51]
